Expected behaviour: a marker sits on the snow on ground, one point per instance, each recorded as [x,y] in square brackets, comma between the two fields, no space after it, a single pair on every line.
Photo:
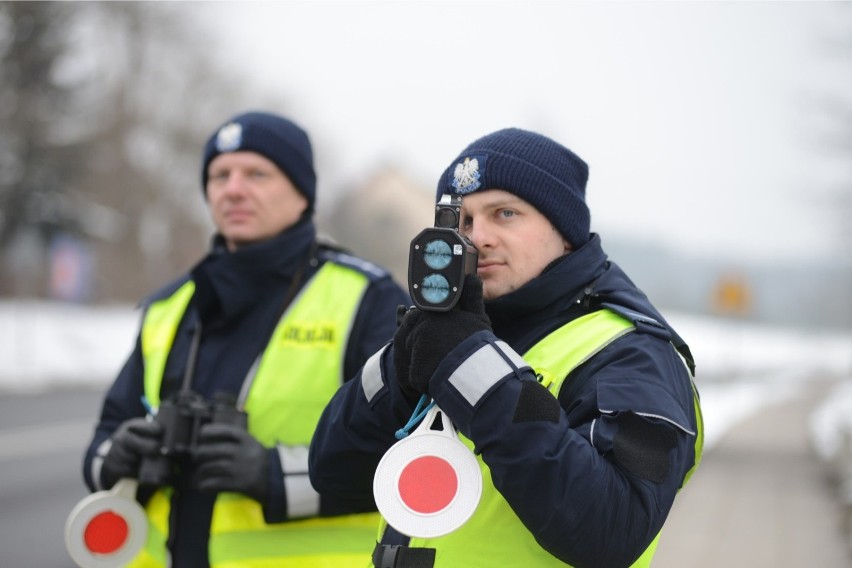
[45,344]
[741,366]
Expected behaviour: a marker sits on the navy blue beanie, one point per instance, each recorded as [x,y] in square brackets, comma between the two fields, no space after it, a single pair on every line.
[540,171]
[276,138]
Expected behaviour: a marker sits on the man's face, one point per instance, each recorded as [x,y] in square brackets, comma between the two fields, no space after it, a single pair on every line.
[515,241]
[251,199]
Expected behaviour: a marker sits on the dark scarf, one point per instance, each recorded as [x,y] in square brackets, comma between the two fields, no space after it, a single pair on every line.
[228,284]
[570,286]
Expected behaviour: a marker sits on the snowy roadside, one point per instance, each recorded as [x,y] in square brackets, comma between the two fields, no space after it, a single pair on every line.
[45,345]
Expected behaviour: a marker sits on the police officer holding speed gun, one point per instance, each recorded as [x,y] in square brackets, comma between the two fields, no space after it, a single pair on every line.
[572,391]
[215,408]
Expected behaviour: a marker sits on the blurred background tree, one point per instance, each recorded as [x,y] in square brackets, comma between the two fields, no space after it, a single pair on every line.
[104,107]
[833,116]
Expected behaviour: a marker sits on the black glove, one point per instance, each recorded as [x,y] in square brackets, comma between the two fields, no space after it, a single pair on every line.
[134,439]
[425,337]
[228,458]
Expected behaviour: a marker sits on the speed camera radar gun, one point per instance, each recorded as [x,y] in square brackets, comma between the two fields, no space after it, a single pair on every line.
[428,484]
[440,258]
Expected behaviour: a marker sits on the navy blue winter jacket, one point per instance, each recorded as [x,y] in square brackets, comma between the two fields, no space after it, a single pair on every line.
[239,299]
[597,500]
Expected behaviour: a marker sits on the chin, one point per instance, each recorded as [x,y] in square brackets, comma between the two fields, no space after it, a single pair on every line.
[241,236]
[239,240]
[487,294]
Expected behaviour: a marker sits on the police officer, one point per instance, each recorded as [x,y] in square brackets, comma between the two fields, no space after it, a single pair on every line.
[271,321]
[573,391]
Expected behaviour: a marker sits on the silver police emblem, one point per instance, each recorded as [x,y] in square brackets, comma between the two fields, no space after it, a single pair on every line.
[229,137]
[466,176]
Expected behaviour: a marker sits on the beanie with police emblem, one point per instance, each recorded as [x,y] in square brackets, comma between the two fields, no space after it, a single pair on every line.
[276,138]
[537,169]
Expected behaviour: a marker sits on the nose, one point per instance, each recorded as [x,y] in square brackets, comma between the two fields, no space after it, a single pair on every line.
[479,234]
[235,183]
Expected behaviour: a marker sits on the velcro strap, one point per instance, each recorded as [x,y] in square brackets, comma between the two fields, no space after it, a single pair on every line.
[400,556]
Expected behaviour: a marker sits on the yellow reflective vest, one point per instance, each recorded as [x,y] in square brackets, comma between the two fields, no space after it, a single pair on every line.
[299,371]
[494,532]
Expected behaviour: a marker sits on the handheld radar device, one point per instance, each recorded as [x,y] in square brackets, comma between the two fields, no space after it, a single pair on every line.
[440,258]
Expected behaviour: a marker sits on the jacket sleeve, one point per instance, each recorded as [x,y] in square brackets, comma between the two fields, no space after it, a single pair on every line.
[593,481]
[375,322]
[123,401]
[354,432]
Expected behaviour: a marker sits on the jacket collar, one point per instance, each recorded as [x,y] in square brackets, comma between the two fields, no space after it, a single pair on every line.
[230,283]
[580,281]
[555,288]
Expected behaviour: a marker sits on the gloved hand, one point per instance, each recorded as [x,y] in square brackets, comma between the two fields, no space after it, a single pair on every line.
[228,458]
[425,337]
[132,440]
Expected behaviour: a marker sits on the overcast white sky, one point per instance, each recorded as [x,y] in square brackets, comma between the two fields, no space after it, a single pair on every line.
[703,123]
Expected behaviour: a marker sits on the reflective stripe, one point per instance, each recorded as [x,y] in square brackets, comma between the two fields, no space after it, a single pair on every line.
[98,462]
[294,459]
[371,375]
[361,264]
[669,420]
[302,499]
[660,417]
[512,355]
[484,369]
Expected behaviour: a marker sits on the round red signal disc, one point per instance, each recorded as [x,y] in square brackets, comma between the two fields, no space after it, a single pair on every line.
[105,529]
[428,484]
[106,533]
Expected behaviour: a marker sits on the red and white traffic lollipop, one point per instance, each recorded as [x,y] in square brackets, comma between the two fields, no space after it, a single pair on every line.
[428,484]
[108,528]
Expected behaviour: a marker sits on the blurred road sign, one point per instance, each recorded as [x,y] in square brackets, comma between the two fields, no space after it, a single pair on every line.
[732,295]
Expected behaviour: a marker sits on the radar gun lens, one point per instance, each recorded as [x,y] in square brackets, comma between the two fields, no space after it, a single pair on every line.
[435,288]
[437,254]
